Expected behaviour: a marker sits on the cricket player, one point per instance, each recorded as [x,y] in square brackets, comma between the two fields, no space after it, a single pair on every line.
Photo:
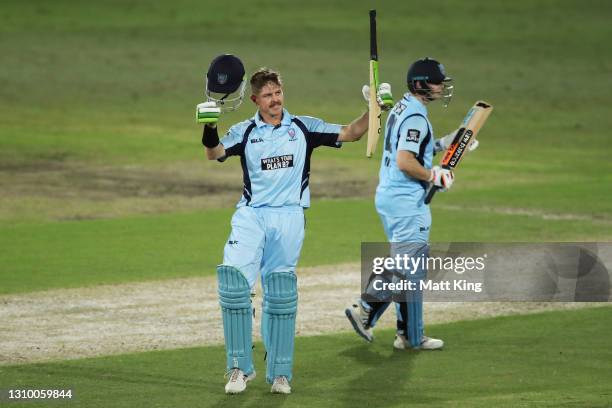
[274,148]
[405,174]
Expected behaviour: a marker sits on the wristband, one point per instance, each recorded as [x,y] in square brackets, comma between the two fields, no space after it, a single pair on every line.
[210,137]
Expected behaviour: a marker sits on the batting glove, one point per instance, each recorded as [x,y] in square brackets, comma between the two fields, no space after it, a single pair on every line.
[442,178]
[443,143]
[207,113]
[383,96]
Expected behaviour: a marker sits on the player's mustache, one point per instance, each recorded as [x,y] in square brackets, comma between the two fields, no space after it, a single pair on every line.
[275,104]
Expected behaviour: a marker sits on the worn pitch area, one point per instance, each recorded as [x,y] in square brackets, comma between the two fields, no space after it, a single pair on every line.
[113,319]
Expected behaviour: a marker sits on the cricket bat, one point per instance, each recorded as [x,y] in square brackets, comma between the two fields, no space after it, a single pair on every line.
[374,109]
[473,121]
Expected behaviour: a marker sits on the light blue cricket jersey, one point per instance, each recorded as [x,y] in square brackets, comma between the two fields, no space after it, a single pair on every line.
[407,128]
[276,159]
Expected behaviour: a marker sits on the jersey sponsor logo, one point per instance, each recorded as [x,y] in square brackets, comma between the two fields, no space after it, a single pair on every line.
[423,229]
[413,136]
[277,162]
[257,140]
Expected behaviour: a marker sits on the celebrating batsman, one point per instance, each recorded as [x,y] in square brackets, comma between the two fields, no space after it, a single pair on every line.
[405,174]
[274,148]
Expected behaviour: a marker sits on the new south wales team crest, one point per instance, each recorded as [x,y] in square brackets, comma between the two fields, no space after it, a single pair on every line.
[221,78]
[292,137]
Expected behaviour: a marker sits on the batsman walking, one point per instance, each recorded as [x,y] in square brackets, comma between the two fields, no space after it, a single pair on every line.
[405,174]
[274,148]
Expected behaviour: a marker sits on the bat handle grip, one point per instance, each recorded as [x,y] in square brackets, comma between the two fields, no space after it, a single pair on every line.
[430,194]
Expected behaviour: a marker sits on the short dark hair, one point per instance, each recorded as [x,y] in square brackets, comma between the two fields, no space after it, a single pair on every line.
[263,76]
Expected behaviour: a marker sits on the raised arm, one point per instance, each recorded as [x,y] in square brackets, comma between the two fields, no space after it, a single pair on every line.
[357,128]
[210,140]
[208,114]
[353,131]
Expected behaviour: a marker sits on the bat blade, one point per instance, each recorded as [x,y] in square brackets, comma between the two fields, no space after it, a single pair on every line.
[374,114]
[470,126]
[374,110]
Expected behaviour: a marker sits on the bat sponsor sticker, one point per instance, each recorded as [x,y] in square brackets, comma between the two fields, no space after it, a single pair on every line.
[458,149]
[413,136]
[277,162]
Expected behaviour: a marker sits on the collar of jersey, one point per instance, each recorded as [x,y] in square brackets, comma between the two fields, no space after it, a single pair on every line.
[418,105]
[285,121]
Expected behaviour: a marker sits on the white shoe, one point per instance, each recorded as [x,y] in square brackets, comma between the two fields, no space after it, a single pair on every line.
[237,381]
[359,317]
[400,342]
[280,385]
[427,343]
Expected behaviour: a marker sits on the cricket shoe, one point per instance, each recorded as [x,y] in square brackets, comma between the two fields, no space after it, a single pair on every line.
[359,317]
[280,385]
[237,381]
[427,343]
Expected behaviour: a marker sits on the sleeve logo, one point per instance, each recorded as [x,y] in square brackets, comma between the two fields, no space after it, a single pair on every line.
[277,162]
[413,136]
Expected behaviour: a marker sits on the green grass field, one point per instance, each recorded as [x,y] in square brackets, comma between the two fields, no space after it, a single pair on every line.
[81,253]
[103,178]
[555,359]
